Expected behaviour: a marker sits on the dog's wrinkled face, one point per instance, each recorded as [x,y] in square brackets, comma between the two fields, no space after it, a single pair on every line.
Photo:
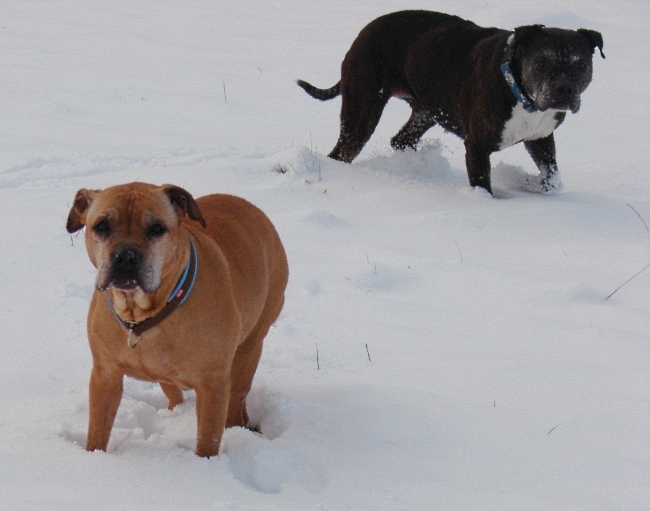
[132,232]
[555,65]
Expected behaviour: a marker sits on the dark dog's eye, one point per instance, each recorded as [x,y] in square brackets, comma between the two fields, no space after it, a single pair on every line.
[102,228]
[156,230]
[542,63]
[580,65]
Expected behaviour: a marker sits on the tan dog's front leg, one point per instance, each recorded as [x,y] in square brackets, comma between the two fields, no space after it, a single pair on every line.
[105,397]
[211,409]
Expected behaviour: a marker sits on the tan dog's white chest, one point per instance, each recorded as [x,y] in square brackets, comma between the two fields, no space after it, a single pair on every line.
[524,125]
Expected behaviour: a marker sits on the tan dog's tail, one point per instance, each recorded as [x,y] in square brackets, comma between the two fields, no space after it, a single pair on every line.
[322,94]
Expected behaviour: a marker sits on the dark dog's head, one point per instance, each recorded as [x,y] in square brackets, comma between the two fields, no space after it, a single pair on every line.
[133,232]
[553,65]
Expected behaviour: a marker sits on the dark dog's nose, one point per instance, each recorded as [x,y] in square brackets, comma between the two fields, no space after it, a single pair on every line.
[126,259]
[565,90]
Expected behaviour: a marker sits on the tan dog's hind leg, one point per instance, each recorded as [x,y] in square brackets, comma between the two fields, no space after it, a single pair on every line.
[245,364]
[243,370]
[211,408]
[173,393]
[105,397]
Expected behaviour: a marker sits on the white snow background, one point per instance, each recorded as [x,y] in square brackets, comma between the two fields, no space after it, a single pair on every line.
[468,357]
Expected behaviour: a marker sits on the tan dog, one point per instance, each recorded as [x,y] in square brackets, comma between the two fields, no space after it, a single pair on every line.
[217,263]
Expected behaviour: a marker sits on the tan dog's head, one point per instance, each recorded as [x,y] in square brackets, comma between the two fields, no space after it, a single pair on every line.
[133,232]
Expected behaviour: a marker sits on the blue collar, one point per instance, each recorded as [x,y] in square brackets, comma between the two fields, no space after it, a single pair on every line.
[184,287]
[516,90]
[176,299]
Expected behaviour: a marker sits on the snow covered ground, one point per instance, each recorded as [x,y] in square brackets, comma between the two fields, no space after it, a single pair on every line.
[467,356]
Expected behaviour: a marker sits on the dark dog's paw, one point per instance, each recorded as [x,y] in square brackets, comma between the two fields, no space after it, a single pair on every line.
[547,185]
[552,184]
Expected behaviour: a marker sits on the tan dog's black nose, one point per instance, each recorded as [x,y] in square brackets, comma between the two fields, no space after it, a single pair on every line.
[126,266]
[126,259]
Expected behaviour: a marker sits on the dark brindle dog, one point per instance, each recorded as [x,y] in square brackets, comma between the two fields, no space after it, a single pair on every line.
[491,87]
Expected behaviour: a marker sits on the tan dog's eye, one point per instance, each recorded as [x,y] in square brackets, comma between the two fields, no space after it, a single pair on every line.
[102,228]
[155,230]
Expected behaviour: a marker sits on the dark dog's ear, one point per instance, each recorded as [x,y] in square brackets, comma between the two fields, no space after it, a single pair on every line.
[594,38]
[77,215]
[524,32]
[183,200]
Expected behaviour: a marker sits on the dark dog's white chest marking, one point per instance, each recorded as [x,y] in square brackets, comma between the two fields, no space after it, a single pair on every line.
[525,125]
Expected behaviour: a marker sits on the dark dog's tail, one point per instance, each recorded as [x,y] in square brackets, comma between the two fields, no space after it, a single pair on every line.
[322,94]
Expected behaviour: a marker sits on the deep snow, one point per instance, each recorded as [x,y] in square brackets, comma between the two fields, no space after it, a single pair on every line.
[468,358]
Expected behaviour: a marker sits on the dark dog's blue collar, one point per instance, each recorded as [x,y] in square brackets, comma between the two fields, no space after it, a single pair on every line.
[516,90]
[176,299]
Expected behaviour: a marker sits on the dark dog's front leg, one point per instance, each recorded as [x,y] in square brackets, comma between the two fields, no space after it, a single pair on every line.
[105,397]
[542,152]
[477,159]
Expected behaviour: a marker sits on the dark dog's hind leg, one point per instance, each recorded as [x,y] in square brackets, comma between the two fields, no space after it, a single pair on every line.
[411,133]
[360,114]
[356,131]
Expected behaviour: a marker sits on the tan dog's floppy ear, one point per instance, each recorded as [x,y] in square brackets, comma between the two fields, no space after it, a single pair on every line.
[183,200]
[77,215]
